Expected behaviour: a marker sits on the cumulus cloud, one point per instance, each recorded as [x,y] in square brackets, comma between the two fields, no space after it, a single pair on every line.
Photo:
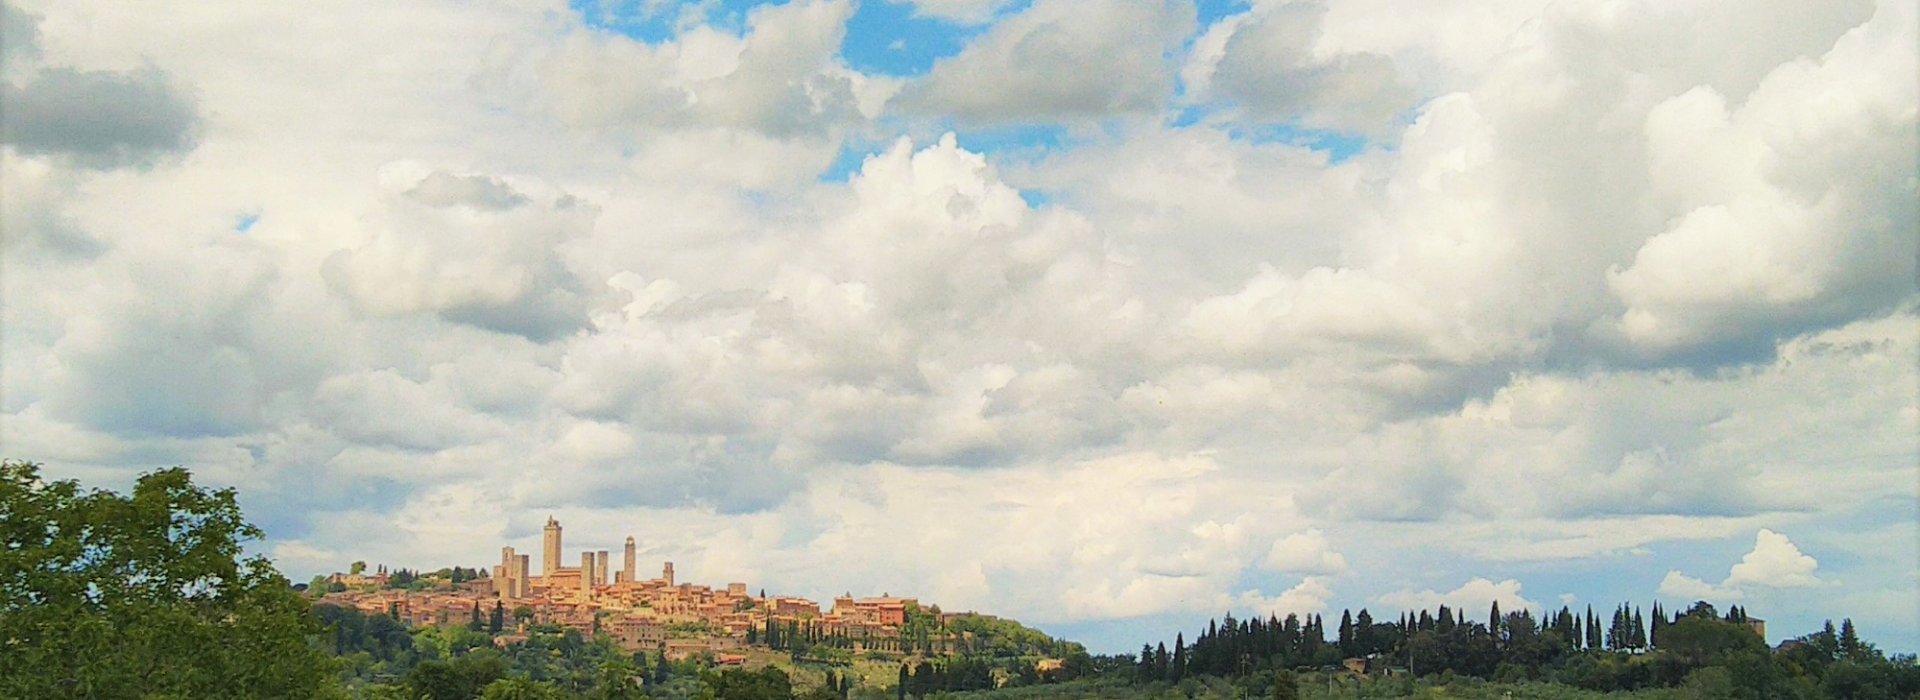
[780,76]
[212,362]
[1060,61]
[1269,64]
[100,119]
[1775,242]
[1684,587]
[470,249]
[1775,562]
[926,254]
[1309,597]
[1306,553]
[1473,596]
[19,33]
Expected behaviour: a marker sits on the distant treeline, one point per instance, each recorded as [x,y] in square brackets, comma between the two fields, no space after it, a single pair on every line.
[1698,649]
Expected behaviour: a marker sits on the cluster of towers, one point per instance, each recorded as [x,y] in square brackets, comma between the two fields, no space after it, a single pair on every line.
[511,576]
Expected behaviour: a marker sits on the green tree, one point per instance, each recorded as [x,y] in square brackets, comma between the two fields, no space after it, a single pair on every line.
[1493,620]
[617,682]
[1177,667]
[463,678]
[519,689]
[1850,646]
[104,595]
[1286,686]
[735,684]
[1704,640]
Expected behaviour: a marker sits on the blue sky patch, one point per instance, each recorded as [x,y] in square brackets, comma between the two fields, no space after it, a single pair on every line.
[1211,11]
[885,38]
[848,161]
[1015,141]
[658,24]
[1337,145]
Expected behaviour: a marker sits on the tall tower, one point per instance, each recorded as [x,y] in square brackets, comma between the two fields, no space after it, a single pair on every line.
[626,568]
[666,574]
[550,559]
[503,577]
[600,568]
[586,574]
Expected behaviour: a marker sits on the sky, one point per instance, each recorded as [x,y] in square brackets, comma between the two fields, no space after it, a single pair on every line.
[1108,315]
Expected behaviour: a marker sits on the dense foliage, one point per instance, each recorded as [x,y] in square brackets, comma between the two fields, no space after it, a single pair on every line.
[1699,653]
[146,595]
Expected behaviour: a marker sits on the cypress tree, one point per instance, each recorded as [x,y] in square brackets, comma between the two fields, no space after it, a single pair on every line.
[1850,647]
[1363,638]
[1177,668]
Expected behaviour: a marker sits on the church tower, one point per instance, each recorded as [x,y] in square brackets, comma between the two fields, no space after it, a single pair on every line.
[550,559]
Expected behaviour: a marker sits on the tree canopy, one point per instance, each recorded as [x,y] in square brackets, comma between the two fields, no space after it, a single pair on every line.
[104,595]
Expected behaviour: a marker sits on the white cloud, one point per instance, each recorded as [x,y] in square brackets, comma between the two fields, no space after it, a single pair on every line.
[1775,562]
[471,249]
[1060,60]
[780,77]
[1775,238]
[1310,596]
[1268,63]
[1469,600]
[1305,553]
[1683,587]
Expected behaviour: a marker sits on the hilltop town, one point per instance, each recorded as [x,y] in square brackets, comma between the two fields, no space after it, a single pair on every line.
[678,620]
